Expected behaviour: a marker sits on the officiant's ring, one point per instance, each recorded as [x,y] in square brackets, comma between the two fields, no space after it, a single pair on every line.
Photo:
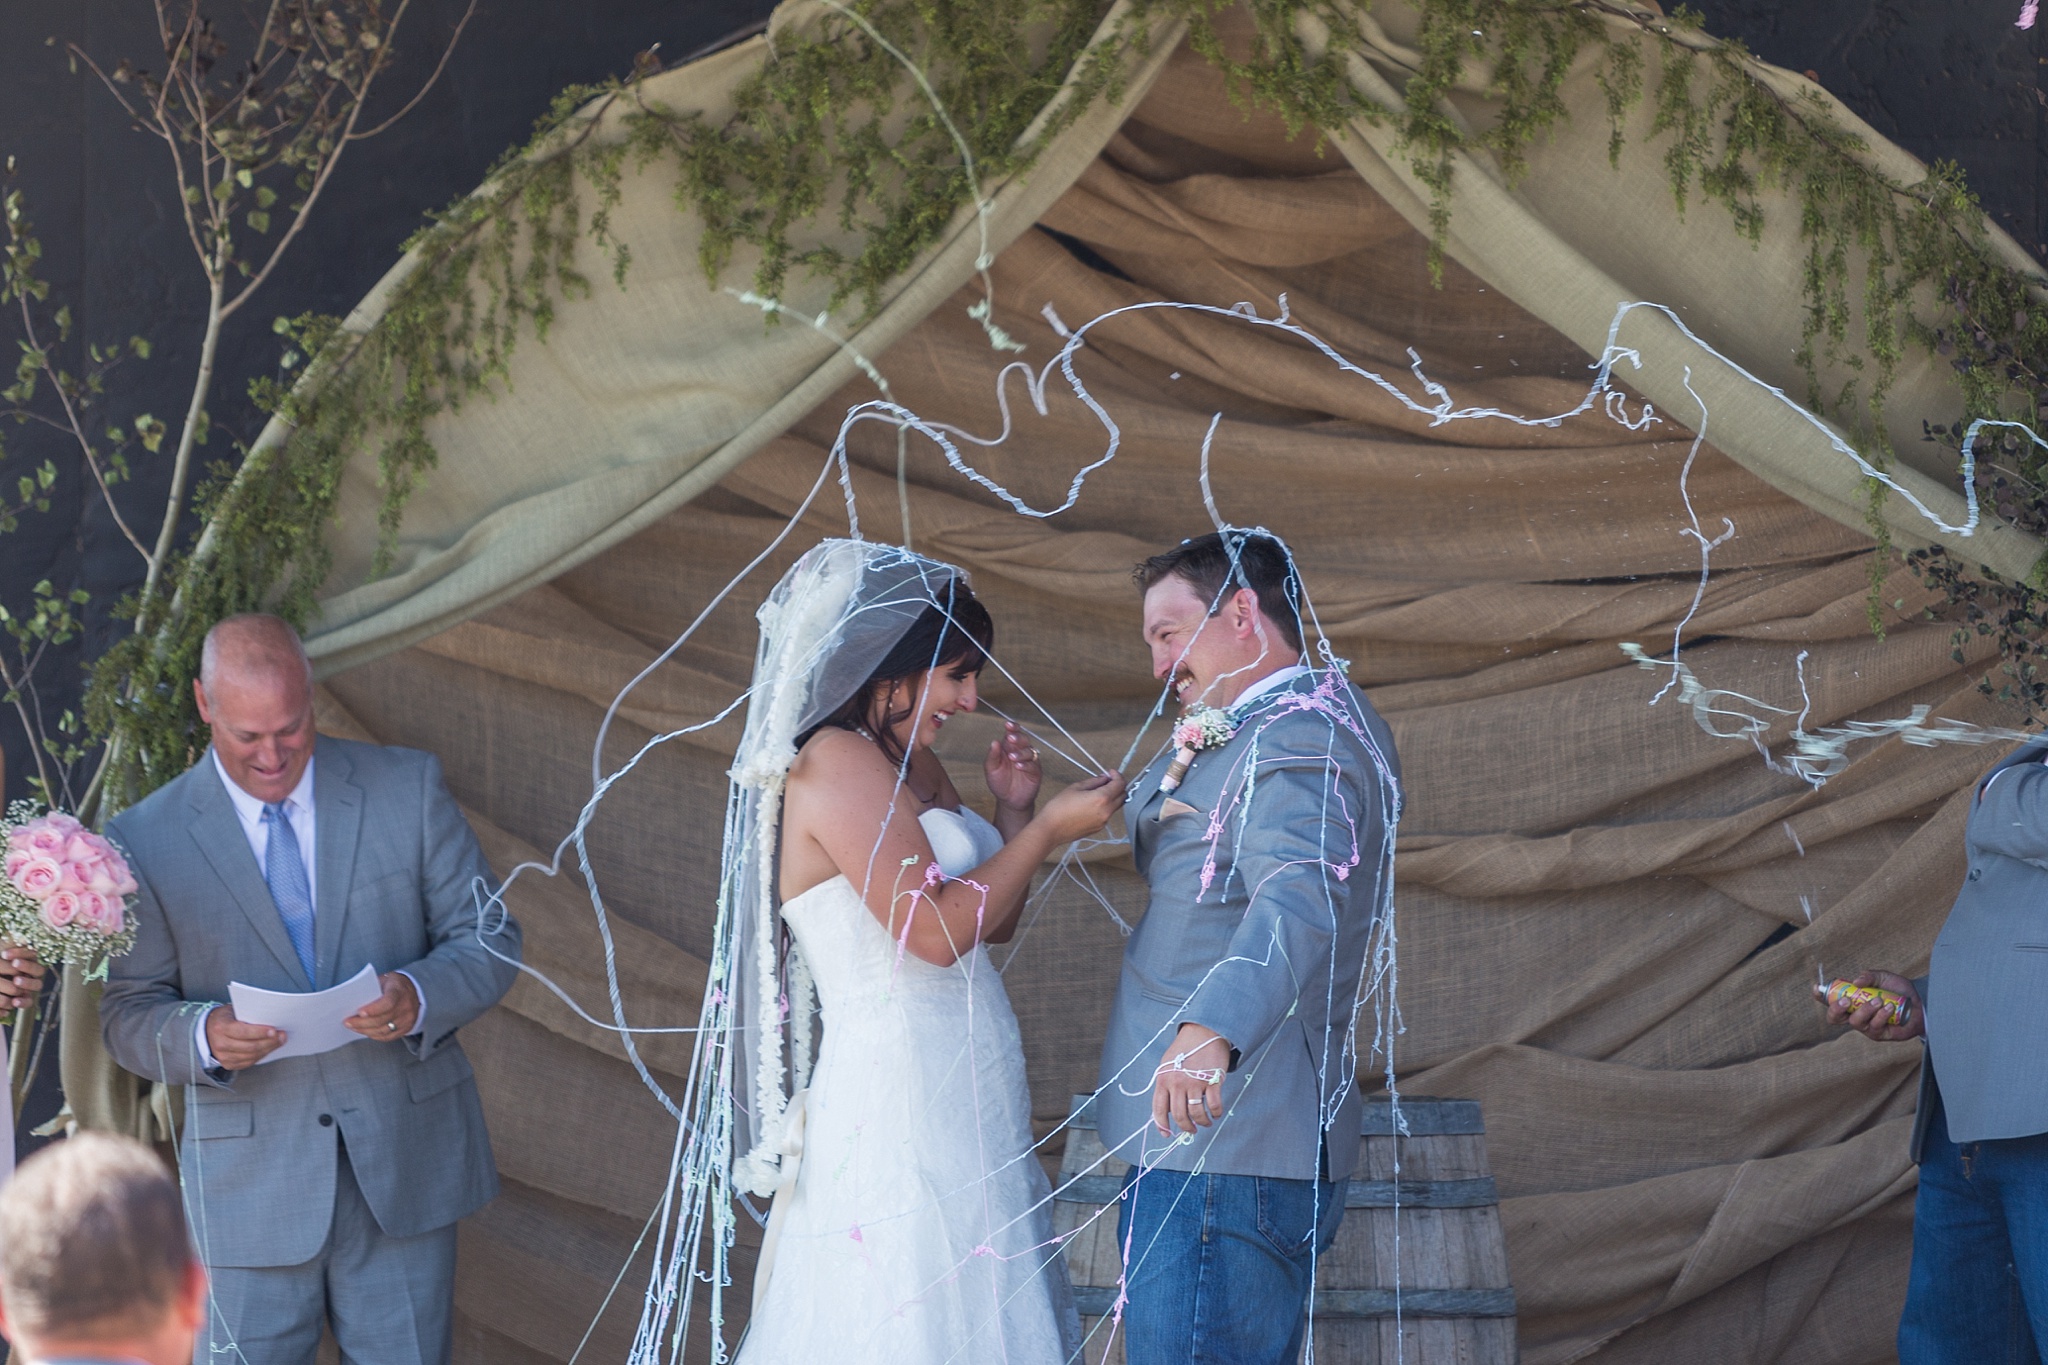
[390,1026]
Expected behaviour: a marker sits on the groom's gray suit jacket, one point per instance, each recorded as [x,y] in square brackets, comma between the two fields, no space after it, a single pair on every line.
[1990,964]
[1266,868]
[396,871]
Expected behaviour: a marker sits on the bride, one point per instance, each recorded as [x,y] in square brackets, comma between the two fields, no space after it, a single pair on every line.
[911,1223]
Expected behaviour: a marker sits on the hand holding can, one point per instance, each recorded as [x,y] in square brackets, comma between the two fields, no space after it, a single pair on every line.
[1882,1006]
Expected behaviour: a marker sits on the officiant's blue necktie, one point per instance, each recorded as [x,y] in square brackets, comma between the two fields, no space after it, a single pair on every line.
[285,870]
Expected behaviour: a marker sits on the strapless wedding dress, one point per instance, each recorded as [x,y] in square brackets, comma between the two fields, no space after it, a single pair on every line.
[918,1230]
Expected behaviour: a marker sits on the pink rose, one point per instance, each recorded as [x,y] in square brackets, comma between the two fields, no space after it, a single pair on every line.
[59,909]
[97,911]
[43,839]
[99,877]
[78,848]
[70,880]
[17,858]
[124,880]
[17,838]
[64,821]
[39,876]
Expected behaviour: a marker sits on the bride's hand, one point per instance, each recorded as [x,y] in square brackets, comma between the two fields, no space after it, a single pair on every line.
[1012,768]
[1084,808]
[21,975]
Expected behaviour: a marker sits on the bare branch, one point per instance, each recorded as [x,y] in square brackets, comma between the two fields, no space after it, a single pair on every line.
[348,135]
[75,425]
[181,466]
[439,67]
[157,124]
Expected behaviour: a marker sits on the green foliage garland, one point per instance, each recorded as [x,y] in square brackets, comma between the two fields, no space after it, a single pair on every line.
[836,166]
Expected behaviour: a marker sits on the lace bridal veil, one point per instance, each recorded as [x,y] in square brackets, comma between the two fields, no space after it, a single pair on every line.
[828,624]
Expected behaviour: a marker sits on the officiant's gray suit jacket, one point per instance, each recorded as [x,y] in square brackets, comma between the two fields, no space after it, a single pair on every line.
[1990,963]
[1266,870]
[397,873]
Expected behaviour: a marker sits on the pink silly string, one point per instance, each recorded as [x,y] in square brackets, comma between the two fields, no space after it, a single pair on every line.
[2028,13]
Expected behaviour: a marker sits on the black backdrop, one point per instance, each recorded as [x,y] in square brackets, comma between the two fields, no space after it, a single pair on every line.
[103,203]
[1944,78]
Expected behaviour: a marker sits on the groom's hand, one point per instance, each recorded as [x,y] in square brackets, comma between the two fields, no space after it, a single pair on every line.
[1187,1090]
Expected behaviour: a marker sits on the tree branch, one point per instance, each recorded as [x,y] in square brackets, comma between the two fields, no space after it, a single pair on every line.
[73,424]
[439,67]
[348,135]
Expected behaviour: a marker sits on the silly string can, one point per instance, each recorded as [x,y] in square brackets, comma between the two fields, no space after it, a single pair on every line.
[1851,996]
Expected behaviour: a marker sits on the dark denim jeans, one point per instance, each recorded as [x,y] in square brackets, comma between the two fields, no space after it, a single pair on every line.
[1978,1293]
[1218,1266]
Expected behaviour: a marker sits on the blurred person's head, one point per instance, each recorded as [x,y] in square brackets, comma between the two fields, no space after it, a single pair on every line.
[255,688]
[95,1261]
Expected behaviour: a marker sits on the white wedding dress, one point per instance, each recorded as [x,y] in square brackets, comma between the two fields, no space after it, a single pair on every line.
[918,1230]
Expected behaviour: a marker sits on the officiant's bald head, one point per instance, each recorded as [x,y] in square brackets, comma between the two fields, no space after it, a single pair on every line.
[255,688]
[254,648]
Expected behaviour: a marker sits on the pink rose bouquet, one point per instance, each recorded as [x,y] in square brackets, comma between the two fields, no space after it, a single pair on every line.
[64,890]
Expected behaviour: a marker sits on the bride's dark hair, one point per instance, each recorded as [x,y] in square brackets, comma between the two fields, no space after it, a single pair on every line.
[955,632]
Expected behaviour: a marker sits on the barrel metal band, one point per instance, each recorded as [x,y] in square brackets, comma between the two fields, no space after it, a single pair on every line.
[1358,1194]
[1420,1117]
[1095,1301]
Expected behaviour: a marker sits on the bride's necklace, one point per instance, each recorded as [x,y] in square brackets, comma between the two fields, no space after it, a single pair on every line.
[869,736]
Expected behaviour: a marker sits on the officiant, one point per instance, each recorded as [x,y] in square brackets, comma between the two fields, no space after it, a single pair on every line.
[323,1189]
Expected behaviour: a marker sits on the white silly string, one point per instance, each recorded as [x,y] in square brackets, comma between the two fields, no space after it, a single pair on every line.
[689,1217]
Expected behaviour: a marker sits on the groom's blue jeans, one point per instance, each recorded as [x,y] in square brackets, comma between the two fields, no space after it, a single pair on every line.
[1217,1267]
[1978,1290]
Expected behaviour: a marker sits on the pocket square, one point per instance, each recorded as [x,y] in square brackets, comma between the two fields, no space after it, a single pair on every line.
[1171,807]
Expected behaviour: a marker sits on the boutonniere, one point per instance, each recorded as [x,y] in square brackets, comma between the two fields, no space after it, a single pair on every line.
[1202,727]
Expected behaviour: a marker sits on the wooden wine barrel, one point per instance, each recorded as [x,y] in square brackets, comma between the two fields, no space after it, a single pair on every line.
[1454,1301]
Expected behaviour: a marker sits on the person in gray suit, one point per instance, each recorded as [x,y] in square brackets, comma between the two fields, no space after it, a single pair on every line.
[322,1188]
[1977,1293]
[1228,1074]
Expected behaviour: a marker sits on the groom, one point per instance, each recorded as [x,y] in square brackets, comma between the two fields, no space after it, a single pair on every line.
[1227,1077]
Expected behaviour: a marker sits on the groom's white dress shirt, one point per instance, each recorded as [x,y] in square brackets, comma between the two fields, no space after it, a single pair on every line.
[300,810]
[1279,677]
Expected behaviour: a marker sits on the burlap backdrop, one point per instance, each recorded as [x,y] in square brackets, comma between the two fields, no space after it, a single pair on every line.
[1694,1168]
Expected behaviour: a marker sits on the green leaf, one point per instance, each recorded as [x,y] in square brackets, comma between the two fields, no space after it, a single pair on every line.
[140,347]
[265,196]
[259,220]
[244,178]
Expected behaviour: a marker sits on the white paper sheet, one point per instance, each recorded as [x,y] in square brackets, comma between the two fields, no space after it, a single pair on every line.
[311,1020]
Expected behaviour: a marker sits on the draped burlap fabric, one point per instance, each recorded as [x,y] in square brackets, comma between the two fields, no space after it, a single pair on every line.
[1608,920]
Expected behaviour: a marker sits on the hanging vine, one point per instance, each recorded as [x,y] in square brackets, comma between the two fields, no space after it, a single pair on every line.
[834,165]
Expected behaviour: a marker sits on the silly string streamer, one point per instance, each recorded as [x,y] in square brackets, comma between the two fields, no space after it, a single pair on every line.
[693,1225]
